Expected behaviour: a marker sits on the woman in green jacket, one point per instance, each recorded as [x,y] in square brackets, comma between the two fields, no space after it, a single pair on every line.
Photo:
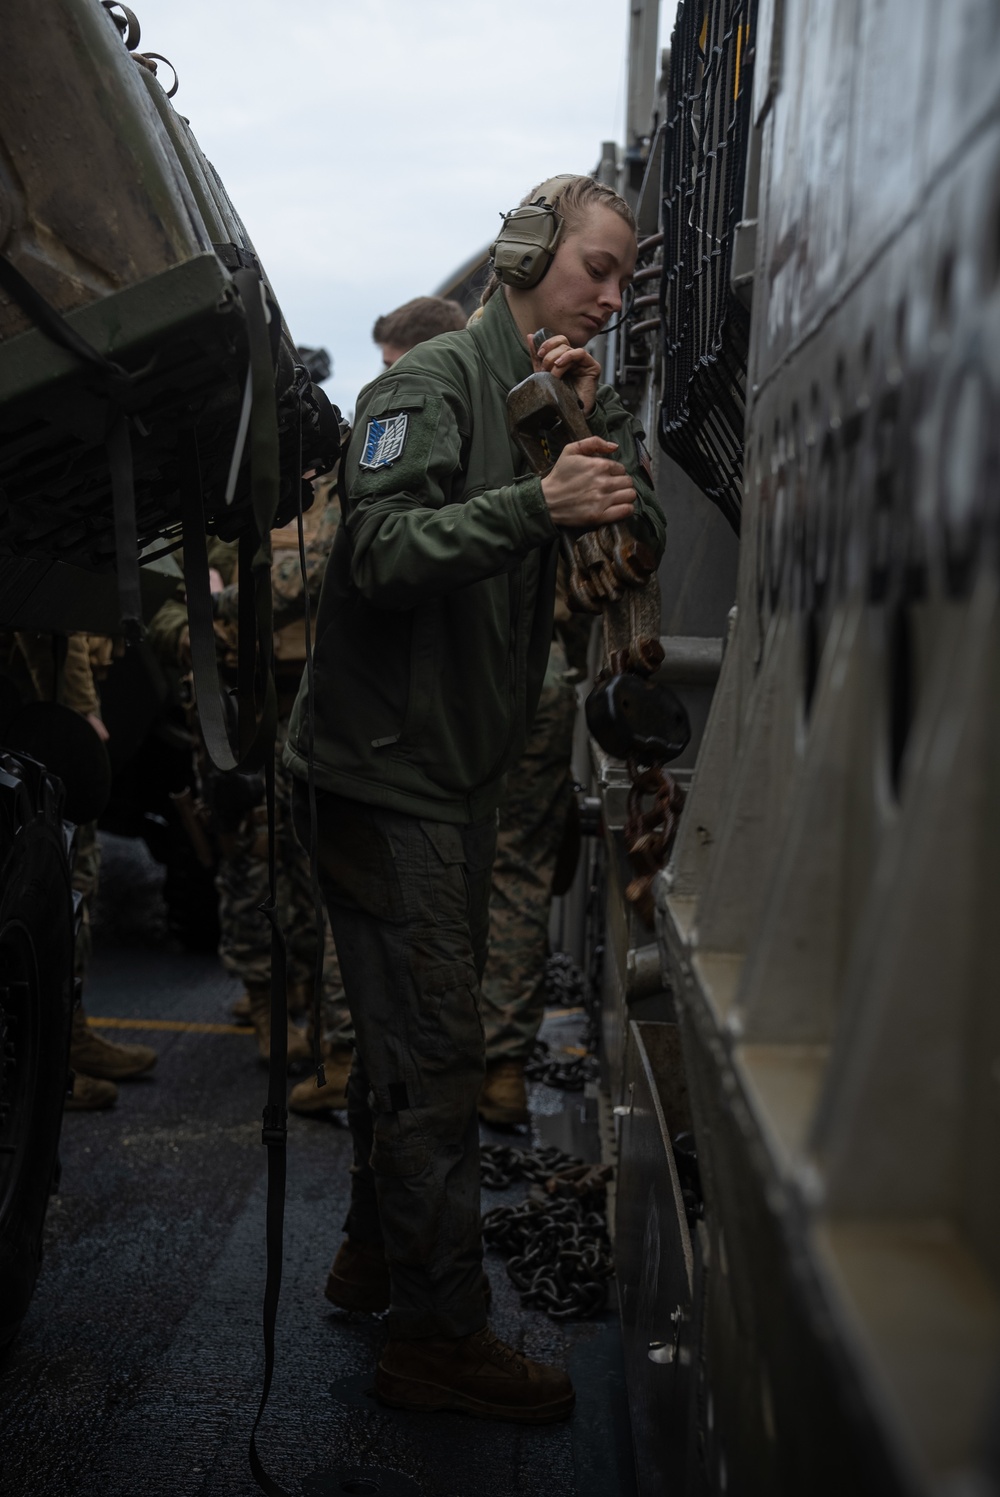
[433,633]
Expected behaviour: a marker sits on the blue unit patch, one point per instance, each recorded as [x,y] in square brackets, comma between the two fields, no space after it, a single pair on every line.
[384,441]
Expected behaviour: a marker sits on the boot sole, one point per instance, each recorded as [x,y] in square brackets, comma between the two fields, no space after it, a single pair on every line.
[429,1398]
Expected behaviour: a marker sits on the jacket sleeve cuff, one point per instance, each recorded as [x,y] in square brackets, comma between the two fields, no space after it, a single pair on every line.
[527,503]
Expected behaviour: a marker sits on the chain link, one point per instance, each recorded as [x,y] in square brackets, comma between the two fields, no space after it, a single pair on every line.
[556,1242]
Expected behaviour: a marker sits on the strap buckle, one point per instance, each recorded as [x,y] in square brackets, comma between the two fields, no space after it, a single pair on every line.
[274,1133]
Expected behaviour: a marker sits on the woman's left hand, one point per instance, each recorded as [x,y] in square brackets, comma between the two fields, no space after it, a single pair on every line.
[559,358]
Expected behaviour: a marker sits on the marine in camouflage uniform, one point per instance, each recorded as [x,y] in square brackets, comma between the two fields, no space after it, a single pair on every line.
[62,668]
[529,835]
[242,879]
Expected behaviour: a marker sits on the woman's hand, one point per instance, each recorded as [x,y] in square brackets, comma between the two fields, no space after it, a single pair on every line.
[560,359]
[585,488]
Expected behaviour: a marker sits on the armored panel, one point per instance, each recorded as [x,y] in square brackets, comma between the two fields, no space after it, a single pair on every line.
[658,1282]
[826,919]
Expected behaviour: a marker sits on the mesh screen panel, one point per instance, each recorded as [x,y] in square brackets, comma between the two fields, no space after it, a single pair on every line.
[706,326]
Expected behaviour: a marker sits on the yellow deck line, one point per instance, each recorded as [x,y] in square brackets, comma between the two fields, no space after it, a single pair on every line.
[179,1026]
[182,1026]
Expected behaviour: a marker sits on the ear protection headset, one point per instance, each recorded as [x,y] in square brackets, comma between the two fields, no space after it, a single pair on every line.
[522,251]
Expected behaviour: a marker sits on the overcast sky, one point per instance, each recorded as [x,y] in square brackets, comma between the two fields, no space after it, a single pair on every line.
[370,145]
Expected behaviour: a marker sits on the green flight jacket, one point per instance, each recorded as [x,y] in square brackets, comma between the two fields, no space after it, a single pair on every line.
[435,617]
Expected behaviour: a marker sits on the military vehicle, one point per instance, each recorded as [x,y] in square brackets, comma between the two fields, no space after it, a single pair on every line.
[149,393]
[801,1048]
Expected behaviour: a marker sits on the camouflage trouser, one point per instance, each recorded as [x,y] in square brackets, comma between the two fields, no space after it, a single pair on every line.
[532,822]
[245,939]
[86,870]
[409,902]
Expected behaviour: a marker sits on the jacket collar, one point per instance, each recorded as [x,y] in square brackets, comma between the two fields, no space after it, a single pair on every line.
[500,343]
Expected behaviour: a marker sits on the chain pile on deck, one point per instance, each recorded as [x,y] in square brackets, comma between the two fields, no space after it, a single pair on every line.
[556,1242]
[566,987]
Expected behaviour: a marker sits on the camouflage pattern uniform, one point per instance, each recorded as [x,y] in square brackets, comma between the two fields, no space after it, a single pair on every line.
[242,879]
[242,884]
[62,670]
[532,821]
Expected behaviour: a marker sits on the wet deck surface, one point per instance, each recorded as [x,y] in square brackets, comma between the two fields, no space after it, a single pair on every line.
[139,1366]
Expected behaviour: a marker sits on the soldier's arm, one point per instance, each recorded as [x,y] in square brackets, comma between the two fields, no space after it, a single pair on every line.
[411,540]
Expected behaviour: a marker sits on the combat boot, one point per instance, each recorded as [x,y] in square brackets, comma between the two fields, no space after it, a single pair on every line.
[89,1094]
[477,1374]
[309,1100]
[260,1018]
[241,1009]
[503,1099]
[359,1278]
[106,1060]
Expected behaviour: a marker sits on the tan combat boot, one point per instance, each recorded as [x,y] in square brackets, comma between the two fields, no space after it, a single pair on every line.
[107,1060]
[504,1097]
[260,1018]
[309,1100]
[90,1095]
[241,1009]
[476,1374]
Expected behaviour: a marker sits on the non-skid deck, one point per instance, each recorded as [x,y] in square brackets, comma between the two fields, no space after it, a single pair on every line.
[139,1366]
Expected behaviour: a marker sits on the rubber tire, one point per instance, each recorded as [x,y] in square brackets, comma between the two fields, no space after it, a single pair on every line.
[36,950]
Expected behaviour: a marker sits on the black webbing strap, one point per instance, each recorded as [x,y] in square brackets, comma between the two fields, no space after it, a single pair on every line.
[119,447]
[319,914]
[264,494]
[256,738]
[116,382]
[274,1136]
[201,624]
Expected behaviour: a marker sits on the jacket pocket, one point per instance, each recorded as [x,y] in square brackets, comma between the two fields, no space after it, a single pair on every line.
[424,685]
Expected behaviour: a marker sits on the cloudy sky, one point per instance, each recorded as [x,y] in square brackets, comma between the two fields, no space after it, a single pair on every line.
[370,145]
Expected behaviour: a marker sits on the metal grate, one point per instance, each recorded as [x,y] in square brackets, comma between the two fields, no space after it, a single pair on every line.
[706,325]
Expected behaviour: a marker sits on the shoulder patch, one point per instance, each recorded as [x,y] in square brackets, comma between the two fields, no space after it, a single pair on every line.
[384,441]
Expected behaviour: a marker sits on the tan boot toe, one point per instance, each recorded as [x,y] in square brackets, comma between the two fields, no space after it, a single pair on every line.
[308,1099]
[260,1017]
[90,1094]
[107,1060]
[503,1099]
[478,1375]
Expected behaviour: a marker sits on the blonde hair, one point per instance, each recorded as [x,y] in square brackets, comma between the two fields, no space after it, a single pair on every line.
[579,194]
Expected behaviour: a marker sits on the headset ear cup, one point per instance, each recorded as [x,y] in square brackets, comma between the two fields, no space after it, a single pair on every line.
[523,250]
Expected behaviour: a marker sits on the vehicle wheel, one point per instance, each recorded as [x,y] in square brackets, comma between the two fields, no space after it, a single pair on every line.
[36,1000]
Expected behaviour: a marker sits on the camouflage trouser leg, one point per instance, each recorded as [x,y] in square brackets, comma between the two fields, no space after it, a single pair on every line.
[86,870]
[532,821]
[242,883]
[300,928]
[409,901]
